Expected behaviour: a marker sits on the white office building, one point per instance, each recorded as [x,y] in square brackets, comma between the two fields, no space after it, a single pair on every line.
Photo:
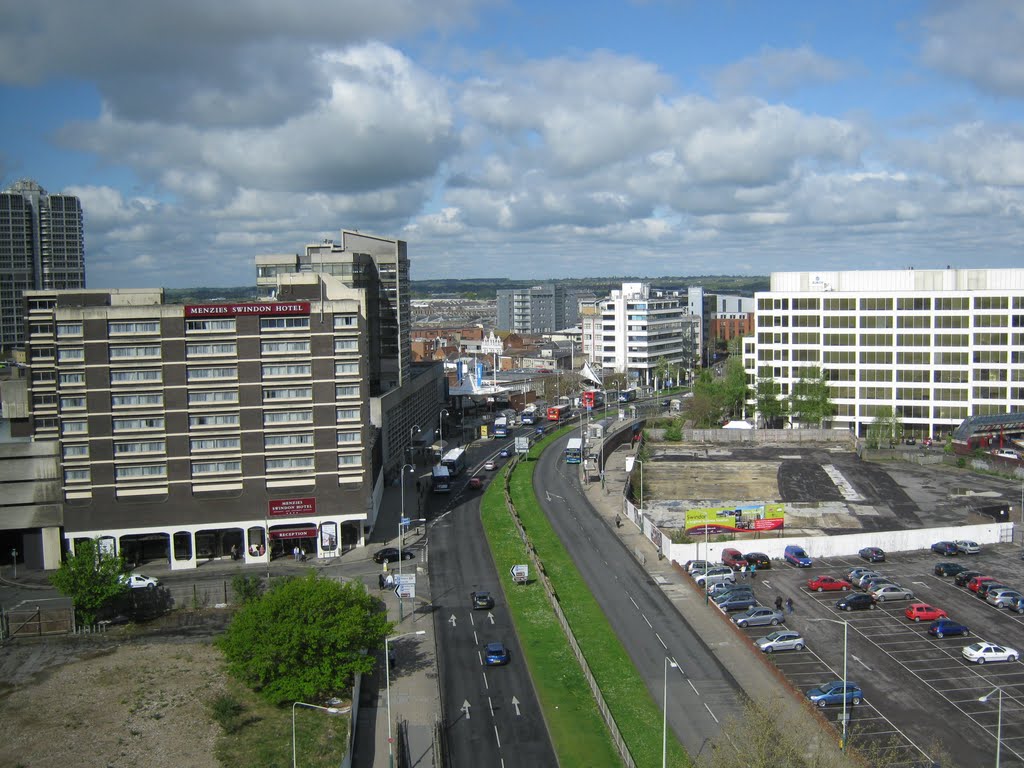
[935,345]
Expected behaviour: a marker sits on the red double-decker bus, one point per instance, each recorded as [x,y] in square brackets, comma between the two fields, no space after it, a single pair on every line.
[558,412]
[592,398]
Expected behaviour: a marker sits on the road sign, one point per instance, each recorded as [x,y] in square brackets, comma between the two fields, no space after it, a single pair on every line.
[406,590]
[405,578]
[405,522]
[522,445]
[520,573]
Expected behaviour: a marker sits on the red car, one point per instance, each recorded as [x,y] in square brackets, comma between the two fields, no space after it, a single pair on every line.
[977,581]
[475,482]
[828,584]
[924,612]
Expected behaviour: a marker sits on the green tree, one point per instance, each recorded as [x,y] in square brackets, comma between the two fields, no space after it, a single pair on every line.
[90,578]
[885,430]
[811,401]
[662,370]
[304,639]
[770,406]
[734,387]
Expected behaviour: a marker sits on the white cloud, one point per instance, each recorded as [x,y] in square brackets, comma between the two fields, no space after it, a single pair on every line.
[776,72]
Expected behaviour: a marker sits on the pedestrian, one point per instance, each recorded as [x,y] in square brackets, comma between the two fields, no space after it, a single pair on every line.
[778,602]
[789,604]
[753,570]
[234,551]
[295,552]
[380,580]
[743,570]
[302,555]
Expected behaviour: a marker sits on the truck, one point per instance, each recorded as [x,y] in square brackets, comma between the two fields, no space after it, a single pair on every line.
[455,461]
[441,479]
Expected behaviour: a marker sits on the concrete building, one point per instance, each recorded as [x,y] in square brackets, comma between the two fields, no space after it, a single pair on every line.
[41,247]
[538,310]
[733,319]
[936,345]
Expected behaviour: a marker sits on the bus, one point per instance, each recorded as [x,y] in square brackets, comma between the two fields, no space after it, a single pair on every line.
[559,412]
[592,398]
[455,461]
[500,427]
[627,395]
[574,450]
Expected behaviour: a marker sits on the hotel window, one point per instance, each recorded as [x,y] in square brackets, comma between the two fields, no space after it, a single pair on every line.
[290,463]
[280,441]
[206,374]
[140,446]
[342,391]
[346,345]
[149,375]
[210,326]
[69,403]
[140,471]
[287,417]
[43,377]
[77,475]
[132,353]
[216,467]
[70,355]
[220,349]
[346,460]
[76,451]
[295,369]
[213,396]
[348,414]
[288,393]
[215,443]
[348,437]
[72,378]
[345,321]
[284,347]
[129,425]
[345,368]
[214,420]
[76,427]
[69,330]
[283,323]
[133,329]
[150,399]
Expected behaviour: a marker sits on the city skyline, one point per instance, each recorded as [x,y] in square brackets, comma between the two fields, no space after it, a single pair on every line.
[521,140]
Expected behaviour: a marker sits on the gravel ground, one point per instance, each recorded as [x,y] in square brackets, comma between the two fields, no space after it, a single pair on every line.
[112,701]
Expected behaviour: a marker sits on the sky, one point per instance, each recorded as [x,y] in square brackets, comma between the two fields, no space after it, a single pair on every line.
[527,140]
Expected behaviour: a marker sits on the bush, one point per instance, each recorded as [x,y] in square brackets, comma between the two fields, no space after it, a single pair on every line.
[674,431]
[246,588]
[227,712]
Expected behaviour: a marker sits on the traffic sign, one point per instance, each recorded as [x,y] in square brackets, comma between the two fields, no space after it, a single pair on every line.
[406,590]
[405,578]
[405,522]
[520,573]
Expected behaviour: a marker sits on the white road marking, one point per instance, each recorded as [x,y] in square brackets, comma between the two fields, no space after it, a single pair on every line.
[694,687]
[515,703]
[860,662]
[710,712]
[465,708]
[661,641]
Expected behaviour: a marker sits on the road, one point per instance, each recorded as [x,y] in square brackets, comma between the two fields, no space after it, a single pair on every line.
[492,714]
[645,621]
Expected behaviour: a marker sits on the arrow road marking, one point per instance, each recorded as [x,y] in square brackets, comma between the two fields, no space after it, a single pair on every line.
[465,708]
[490,616]
[452,621]
[861,663]
[551,496]
[515,703]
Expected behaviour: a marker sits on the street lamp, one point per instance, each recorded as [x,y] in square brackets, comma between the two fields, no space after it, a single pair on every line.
[387,683]
[329,710]
[999,719]
[664,712]
[401,528]
[846,627]
[440,427]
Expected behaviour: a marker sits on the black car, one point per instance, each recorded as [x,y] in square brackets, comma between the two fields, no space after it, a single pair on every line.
[390,555]
[759,559]
[949,569]
[481,600]
[963,577]
[872,554]
[856,601]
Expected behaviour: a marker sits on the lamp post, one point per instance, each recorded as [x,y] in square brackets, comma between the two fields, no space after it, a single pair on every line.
[387,684]
[440,428]
[664,712]
[999,719]
[401,528]
[412,431]
[846,628]
[329,710]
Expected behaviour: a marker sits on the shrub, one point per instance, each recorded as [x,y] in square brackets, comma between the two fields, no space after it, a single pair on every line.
[246,588]
[227,712]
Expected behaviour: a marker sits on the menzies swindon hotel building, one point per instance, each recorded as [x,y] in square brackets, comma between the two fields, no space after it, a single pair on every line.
[185,430]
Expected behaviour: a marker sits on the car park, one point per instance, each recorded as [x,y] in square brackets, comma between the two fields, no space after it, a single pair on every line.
[836,692]
[977,581]
[138,581]
[759,616]
[475,483]
[758,559]
[947,628]
[496,654]
[981,653]
[1002,597]
[481,600]
[856,601]
[887,592]
[947,548]
[924,612]
[733,558]
[795,555]
[390,555]
[963,577]
[965,547]
[949,569]
[736,601]
[781,640]
[828,584]
[715,575]
[872,554]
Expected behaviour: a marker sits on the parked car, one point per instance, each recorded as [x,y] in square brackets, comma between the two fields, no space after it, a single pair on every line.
[828,584]
[693,566]
[728,586]
[715,575]
[138,581]
[924,612]
[872,554]
[966,547]
[879,581]
[857,572]
[496,654]
[835,692]
[781,640]
[977,581]
[1017,604]
[949,569]
[1002,597]
[865,576]
[886,592]
[856,601]
[980,653]
[390,554]
[947,628]
[475,483]
[490,465]
[986,586]
[758,559]
[481,600]
[947,548]
[736,601]
[759,616]
[795,555]
[963,577]
[733,558]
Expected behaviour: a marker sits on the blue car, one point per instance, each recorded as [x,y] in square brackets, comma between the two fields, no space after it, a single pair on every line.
[945,548]
[835,692]
[795,555]
[496,654]
[947,627]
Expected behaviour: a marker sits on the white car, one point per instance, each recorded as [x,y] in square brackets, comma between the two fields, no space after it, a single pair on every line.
[490,465]
[979,653]
[783,640]
[138,581]
[885,592]
[965,547]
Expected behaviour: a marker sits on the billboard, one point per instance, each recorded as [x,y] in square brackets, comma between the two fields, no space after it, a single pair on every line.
[742,517]
[285,507]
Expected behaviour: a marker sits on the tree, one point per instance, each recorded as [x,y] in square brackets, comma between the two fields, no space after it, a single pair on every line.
[734,387]
[90,578]
[304,639]
[662,370]
[771,408]
[811,401]
[885,429]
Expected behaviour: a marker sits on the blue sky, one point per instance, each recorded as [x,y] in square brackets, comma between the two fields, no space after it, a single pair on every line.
[523,139]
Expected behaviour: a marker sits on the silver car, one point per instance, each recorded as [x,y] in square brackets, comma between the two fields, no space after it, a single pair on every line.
[867,576]
[782,640]
[759,616]
[715,575]
[966,547]
[885,592]
[1002,598]
[694,567]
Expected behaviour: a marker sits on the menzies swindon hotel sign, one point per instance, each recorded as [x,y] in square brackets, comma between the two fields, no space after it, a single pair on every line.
[231,310]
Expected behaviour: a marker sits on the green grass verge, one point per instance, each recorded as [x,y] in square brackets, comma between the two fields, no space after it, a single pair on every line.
[637,715]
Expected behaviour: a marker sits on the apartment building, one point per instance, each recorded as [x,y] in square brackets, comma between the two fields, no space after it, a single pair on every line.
[936,345]
[537,310]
